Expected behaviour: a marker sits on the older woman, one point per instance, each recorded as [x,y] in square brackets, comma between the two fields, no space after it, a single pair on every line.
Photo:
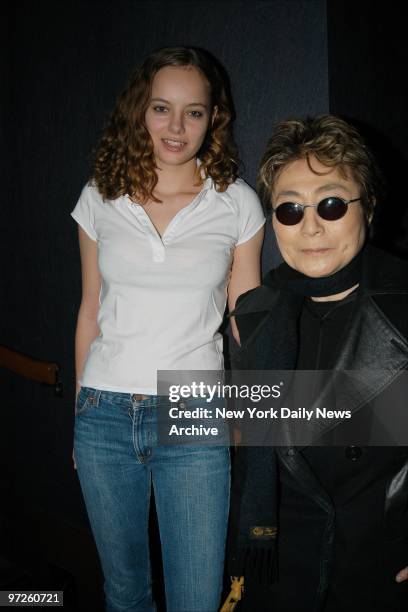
[326,526]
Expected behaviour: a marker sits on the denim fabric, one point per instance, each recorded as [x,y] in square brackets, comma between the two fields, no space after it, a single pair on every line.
[118,459]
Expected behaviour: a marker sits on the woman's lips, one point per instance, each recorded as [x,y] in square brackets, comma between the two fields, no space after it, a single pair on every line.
[316,252]
[175,146]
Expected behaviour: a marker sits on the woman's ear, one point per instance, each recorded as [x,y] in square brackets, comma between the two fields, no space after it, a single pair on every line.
[371,214]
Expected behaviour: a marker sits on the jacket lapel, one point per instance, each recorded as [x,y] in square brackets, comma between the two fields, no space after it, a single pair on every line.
[373,355]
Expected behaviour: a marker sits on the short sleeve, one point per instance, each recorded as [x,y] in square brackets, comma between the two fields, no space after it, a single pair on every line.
[84,211]
[251,217]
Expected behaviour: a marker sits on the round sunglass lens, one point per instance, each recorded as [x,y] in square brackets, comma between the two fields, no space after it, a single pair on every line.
[288,213]
[332,209]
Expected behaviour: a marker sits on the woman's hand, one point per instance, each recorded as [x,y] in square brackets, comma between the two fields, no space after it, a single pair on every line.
[402,575]
[78,388]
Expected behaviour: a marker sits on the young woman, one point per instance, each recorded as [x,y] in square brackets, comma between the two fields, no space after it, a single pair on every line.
[167,231]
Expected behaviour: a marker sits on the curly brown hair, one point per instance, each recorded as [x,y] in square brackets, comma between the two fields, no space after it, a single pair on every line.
[124,160]
[334,142]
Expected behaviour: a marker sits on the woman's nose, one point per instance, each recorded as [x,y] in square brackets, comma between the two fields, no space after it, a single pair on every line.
[312,223]
[176,123]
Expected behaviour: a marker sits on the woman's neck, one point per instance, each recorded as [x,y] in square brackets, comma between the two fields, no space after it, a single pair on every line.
[178,179]
[336,297]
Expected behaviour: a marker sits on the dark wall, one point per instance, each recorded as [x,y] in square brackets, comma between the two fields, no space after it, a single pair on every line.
[68,62]
[367,75]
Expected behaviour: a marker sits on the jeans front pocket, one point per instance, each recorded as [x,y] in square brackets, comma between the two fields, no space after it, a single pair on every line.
[84,400]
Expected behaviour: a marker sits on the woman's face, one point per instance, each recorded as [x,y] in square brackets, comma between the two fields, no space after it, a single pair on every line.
[314,246]
[178,114]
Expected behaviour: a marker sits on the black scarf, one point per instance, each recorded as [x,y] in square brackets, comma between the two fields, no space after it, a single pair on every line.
[280,298]
[274,308]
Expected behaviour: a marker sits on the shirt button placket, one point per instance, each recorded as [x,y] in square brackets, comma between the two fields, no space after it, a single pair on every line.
[159,252]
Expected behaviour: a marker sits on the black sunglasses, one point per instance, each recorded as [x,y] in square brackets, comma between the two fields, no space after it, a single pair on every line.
[329,209]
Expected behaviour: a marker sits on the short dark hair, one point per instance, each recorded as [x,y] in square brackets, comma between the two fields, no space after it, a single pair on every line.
[334,142]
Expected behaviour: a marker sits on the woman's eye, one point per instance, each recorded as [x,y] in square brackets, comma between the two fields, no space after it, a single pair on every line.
[160,109]
[196,114]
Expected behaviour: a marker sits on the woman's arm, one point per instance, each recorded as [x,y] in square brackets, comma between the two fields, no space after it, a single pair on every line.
[87,327]
[245,272]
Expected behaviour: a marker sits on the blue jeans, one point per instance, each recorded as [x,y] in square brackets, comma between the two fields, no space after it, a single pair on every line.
[118,459]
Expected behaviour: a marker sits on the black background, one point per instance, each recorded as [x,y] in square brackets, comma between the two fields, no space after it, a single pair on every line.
[63,64]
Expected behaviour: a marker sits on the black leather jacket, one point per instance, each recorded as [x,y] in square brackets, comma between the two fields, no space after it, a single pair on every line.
[377,342]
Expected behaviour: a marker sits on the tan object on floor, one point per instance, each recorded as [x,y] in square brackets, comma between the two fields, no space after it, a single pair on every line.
[237,588]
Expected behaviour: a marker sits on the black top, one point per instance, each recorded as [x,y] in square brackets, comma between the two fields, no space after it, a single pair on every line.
[322,325]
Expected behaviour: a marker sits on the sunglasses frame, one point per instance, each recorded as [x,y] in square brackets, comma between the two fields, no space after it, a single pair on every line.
[303,206]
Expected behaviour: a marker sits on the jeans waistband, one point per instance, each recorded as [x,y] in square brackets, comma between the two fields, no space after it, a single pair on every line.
[117,397]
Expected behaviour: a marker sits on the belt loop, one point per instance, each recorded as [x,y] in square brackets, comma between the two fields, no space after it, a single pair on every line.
[96,397]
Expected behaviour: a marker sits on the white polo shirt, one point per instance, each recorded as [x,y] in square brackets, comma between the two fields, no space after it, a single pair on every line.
[162,300]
